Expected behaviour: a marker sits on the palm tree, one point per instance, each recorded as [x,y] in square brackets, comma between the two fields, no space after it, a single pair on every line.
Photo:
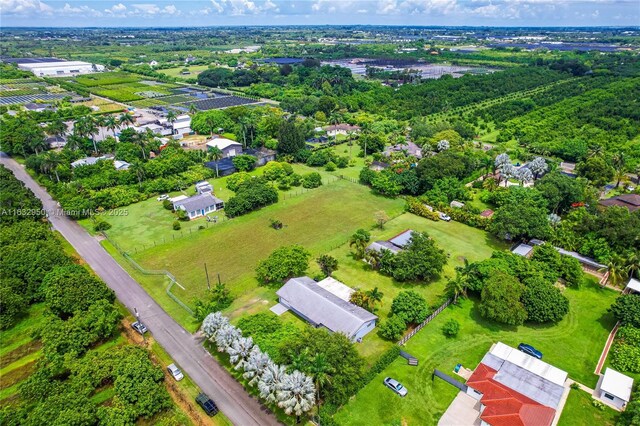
[225,337]
[321,371]
[50,162]
[616,270]
[300,361]
[239,351]
[296,394]
[465,270]
[372,257]
[596,151]
[335,119]
[255,365]
[111,123]
[171,116]
[193,108]
[137,167]
[212,323]
[537,166]
[211,124]
[619,163]
[374,296]
[126,118]
[216,154]
[56,128]
[270,381]
[100,122]
[74,142]
[633,265]
[359,241]
[456,287]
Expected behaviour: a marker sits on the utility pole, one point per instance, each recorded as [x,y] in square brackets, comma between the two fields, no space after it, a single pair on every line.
[207,272]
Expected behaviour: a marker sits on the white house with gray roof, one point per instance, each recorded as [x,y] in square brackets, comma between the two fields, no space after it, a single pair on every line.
[614,388]
[394,245]
[321,308]
[199,205]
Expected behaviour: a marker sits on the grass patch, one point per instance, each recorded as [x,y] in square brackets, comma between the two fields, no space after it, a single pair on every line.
[20,334]
[581,334]
[194,70]
[579,410]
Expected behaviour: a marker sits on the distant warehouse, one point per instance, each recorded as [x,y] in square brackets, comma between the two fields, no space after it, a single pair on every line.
[60,68]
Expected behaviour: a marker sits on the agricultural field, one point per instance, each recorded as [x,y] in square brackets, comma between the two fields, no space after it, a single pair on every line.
[581,333]
[194,70]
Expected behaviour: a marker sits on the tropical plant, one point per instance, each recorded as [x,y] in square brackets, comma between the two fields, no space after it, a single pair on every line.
[270,381]
[212,323]
[359,241]
[296,394]
[255,365]
[215,154]
[538,166]
[615,267]
[239,351]
[226,336]
[327,264]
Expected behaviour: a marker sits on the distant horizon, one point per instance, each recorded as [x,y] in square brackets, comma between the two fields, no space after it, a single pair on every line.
[205,13]
[634,27]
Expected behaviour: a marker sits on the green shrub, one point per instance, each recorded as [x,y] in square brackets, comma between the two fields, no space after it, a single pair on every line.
[101,225]
[451,328]
[176,225]
[330,166]
[167,205]
[393,328]
[311,180]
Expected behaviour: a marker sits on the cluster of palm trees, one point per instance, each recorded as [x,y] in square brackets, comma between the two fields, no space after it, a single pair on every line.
[457,287]
[621,268]
[89,126]
[293,391]
[367,299]
[530,173]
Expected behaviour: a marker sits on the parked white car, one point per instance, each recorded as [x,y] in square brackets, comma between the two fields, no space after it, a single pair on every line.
[163,197]
[444,217]
[175,372]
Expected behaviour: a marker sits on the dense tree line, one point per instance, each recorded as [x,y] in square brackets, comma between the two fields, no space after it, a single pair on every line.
[80,314]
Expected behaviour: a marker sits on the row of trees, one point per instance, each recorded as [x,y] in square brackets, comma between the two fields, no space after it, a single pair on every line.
[292,391]
[80,315]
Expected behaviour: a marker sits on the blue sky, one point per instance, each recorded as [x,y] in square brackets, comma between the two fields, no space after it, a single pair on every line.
[134,13]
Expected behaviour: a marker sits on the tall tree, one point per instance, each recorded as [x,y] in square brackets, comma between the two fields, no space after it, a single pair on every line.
[296,394]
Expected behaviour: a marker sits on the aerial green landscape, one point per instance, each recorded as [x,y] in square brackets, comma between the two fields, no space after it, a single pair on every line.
[329,223]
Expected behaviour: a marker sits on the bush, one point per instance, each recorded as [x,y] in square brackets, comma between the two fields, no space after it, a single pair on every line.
[101,225]
[342,162]
[311,180]
[284,263]
[451,328]
[330,166]
[176,225]
[167,204]
[393,328]
[543,302]
[410,306]
[626,309]
[251,195]
[625,353]
[244,163]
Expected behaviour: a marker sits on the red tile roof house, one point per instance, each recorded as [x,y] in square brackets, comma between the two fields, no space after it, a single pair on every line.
[513,389]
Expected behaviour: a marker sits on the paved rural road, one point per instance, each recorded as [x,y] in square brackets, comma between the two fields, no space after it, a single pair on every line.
[185,349]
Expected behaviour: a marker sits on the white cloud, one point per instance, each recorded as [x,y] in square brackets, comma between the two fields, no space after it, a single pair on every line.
[332,6]
[118,8]
[24,7]
[269,5]
[146,8]
[171,10]
[387,7]
[68,10]
[217,6]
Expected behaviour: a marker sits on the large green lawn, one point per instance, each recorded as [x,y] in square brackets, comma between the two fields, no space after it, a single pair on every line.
[320,220]
[579,410]
[573,345]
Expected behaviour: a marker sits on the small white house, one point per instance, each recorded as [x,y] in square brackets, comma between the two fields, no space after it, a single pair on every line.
[228,147]
[633,286]
[121,165]
[318,305]
[614,388]
[199,205]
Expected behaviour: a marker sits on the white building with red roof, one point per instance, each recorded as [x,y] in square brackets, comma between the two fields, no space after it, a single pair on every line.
[510,388]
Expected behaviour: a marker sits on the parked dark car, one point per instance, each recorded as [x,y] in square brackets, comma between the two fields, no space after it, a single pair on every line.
[139,327]
[530,350]
[207,404]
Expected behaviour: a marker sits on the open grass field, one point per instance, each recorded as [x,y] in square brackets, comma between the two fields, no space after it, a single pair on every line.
[319,220]
[579,411]
[194,70]
[574,345]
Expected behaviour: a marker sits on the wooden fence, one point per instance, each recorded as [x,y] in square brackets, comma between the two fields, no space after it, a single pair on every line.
[425,322]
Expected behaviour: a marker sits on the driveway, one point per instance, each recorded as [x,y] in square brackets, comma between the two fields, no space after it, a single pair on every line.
[185,349]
